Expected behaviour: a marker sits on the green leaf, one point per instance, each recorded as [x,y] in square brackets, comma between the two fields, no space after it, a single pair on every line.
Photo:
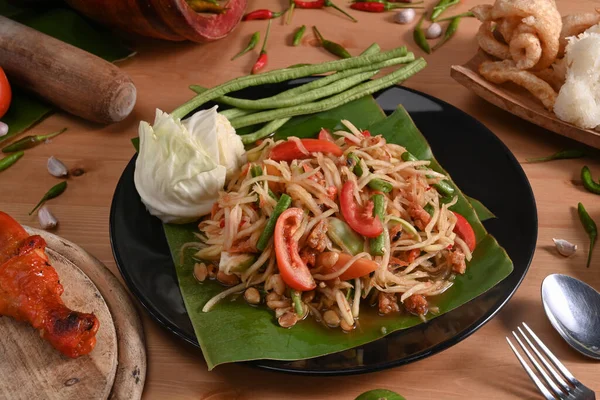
[380,394]
[232,331]
[483,213]
[68,26]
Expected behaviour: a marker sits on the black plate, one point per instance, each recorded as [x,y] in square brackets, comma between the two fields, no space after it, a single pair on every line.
[480,164]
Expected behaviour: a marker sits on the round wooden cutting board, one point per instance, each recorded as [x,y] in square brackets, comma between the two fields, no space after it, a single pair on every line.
[30,368]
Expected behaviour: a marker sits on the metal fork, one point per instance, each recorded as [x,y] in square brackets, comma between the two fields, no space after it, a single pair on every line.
[562,385]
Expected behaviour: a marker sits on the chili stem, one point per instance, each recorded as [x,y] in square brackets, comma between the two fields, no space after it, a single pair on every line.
[560,155]
[251,45]
[468,14]
[328,3]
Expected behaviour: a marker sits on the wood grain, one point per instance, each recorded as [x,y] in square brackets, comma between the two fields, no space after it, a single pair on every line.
[480,367]
[518,101]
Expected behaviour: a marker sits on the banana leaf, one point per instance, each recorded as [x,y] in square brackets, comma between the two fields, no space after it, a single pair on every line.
[68,26]
[233,331]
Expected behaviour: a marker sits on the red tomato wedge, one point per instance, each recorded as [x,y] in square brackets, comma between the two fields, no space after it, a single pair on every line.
[5,93]
[464,231]
[360,219]
[325,135]
[292,269]
[289,151]
[360,267]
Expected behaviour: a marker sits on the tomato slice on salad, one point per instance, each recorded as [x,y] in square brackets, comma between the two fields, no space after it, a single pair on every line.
[289,150]
[325,135]
[292,269]
[464,231]
[5,93]
[360,267]
[360,219]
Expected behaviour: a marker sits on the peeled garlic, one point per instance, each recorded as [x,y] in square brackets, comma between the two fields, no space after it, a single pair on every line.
[405,16]
[434,31]
[57,168]
[565,248]
[47,220]
[3,129]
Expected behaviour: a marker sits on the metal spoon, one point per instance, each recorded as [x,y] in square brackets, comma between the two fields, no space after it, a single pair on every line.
[573,308]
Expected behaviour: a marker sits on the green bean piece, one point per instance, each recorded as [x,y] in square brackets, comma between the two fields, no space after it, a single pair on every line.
[588,181]
[9,161]
[283,204]
[419,36]
[341,234]
[298,35]
[560,155]
[380,185]
[354,162]
[251,45]
[54,191]
[334,48]
[268,129]
[352,94]
[468,14]
[255,171]
[30,141]
[450,31]
[297,303]
[281,75]
[429,208]
[378,244]
[443,187]
[590,228]
[442,6]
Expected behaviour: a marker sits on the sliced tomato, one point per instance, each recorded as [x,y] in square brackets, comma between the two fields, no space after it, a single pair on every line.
[277,187]
[325,135]
[5,93]
[289,151]
[292,269]
[366,134]
[360,267]
[360,219]
[464,231]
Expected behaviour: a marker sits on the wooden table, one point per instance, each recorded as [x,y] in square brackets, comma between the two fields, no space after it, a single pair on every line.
[480,367]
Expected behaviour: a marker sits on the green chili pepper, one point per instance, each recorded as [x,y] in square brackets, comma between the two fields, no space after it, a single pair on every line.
[8,161]
[450,31]
[468,14]
[419,36]
[342,235]
[354,164]
[442,6]
[429,208]
[54,191]
[378,244]
[443,187]
[588,181]
[332,47]
[298,35]
[380,185]
[297,303]
[560,155]
[283,204]
[30,141]
[251,45]
[590,228]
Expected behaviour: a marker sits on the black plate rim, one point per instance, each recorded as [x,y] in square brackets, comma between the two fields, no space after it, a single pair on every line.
[352,370]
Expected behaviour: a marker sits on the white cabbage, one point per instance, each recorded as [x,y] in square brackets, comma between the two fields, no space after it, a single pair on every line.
[182,166]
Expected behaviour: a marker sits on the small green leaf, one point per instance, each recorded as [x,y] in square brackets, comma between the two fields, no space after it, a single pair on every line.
[380,394]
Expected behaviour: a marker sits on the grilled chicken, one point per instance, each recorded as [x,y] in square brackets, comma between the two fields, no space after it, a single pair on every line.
[30,291]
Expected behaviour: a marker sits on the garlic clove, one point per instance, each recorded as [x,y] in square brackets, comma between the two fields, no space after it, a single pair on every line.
[405,16]
[3,129]
[564,247]
[46,219]
[434,31]
[57,168]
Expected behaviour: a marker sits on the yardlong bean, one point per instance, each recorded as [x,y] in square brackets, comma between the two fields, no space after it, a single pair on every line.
[285,74]
[264,131]
[355,93]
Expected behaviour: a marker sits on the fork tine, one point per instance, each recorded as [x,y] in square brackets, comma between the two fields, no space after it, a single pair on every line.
[551,356]
[549,368]
[539,368]
[532,375]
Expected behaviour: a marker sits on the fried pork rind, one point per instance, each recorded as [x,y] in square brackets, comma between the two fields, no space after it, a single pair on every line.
[575,24]
[539,29]
[504,71]
[578,101]
[555,75]
[489,44]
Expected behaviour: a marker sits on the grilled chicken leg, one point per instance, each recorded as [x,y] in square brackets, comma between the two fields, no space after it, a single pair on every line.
[30,291]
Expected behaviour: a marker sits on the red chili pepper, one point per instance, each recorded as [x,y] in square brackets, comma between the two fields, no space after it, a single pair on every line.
[318,4]
[262,58]
[262,14]
[377,7]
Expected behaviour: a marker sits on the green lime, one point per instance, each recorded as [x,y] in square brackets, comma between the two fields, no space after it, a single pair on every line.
[380,394]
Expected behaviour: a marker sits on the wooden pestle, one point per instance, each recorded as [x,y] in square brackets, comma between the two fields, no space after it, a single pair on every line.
[66,76]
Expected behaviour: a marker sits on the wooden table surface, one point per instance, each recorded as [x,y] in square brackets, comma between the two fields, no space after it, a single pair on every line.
[480,367]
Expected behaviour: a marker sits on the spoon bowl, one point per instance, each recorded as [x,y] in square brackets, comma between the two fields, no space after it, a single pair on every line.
[573,308]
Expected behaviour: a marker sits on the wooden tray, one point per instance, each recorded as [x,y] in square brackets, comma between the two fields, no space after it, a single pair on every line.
[116,368]
[518,101]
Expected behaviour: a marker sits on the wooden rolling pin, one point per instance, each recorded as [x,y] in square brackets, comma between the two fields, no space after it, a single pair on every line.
[70,78]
